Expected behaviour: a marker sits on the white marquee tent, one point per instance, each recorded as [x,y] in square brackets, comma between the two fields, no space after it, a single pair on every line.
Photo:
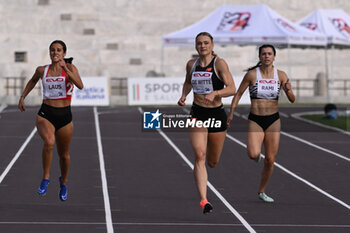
[334,23]
[247,25]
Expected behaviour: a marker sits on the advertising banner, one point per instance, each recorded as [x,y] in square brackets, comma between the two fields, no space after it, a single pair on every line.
[166,91]
[94,93]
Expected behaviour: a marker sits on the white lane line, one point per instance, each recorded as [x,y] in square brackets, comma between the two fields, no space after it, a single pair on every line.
[297,177]
[2,107]
[309,143]
[19,152]
[176,224]
[283,114]
[315,146]
[240,218]
[108,214]
[298,116]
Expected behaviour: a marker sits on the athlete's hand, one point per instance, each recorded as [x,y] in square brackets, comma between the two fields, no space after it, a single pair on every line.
[209,97]
[287,86]
[21,106]
[229,119]
[181,101]
[62,63]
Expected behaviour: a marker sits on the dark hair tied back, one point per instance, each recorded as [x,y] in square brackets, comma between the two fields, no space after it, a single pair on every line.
[260,49]
[61,43]
[68,60]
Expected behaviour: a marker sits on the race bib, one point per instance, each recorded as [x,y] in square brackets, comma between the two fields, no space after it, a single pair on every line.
[202,82]
[54,87]
[267,88]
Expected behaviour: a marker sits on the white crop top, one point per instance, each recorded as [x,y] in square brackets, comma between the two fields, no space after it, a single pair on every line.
[264,88]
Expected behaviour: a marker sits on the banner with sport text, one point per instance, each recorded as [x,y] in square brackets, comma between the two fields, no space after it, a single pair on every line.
[94,93]
[166,91]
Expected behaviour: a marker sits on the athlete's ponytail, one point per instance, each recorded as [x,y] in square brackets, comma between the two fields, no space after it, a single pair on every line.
[253,67]
[68,60]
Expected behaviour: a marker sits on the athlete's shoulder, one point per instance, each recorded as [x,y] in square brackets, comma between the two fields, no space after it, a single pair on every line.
[251,73]
[191,61]
[190,64]
[220,61]
[40,69]
[281,74]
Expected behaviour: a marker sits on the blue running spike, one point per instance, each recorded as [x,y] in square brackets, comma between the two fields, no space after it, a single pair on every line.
[43,187]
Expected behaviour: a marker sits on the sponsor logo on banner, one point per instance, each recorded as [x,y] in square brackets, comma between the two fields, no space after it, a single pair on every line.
[166,91]
[341,26]
[310,26]
[236,21]
[154,90]
[285,24]
[94,93]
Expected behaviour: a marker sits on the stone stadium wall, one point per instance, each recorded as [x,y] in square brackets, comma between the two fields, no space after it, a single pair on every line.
[123,38]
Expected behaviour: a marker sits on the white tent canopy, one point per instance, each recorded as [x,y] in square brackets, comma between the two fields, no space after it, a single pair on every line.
[247,25]
[334,23]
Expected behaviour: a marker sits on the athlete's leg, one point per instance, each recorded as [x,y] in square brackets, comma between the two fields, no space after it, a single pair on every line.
[199,144]
[63,139]
[255,139]
[271,143]
[47,132]
[215,144]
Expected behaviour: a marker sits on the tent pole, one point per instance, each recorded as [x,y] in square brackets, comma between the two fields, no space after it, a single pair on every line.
[327,73]
[330,78]
[288,60]
[162,60]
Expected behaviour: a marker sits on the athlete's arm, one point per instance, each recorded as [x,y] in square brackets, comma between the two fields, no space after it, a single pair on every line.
[29,86]
[187,87]
[287,87]
[225,74]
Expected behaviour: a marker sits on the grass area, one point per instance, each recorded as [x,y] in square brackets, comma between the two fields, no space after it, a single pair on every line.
[343,122]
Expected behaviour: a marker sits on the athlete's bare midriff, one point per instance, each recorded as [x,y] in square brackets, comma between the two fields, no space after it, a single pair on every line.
[263,107]
[199,100]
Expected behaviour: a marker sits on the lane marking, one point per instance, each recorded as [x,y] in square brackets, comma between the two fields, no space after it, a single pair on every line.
[316,146]
[217,193]
[285,115]
[296,176]
[3,106]
[177,224]
[108,214]
[307,142]
[298,117]
[19,152]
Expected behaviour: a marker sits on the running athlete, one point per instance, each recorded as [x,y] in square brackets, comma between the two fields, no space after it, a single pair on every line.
[210,79]
[54,119]
[264,82]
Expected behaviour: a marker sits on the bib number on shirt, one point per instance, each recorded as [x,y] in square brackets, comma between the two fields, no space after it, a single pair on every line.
[202,82]
[55,87]
[267,88]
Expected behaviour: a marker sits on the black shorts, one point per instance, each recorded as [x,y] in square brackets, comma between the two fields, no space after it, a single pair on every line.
[264,121]
[215,117]
[59,117]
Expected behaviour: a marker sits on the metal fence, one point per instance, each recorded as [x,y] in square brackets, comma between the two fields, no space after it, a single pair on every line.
[119,86]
